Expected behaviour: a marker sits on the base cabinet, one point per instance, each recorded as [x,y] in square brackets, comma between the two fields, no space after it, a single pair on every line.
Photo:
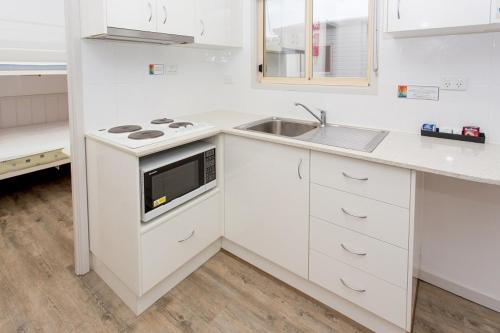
[365,290]
[267,201]
[172,244]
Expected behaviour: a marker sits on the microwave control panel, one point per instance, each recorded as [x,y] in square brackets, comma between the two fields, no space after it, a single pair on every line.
[210,169]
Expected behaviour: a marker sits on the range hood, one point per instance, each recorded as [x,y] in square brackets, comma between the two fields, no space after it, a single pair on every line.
[144,36]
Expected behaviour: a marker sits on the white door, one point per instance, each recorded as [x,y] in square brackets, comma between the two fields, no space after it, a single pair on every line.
[407,15]
[213,22]
[176,17]
[132,14]
[267,201]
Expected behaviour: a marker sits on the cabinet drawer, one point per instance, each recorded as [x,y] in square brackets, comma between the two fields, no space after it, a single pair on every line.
[380,259]
[171,245]
[372,180]
[372,218]
[373,294]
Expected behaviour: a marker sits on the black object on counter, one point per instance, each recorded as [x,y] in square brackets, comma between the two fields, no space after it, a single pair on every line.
[480,139]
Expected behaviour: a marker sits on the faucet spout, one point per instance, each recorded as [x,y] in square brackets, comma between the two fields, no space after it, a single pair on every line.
[321,118]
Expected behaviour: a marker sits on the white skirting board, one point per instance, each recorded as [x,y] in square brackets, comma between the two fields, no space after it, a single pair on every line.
[337,303]
[139,304]
[457,289]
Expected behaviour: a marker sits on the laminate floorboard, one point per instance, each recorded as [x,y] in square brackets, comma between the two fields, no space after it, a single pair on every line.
[39,291]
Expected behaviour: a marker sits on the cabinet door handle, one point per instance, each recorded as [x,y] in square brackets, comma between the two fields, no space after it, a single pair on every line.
[150,12]
[299,169]
[399,9]
[363,217]
[361,291]
[187,238]
[202,33]
[345,248]
[165,13]
[362,179]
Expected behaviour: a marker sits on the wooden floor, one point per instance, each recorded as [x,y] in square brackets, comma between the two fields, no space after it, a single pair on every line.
[40,293]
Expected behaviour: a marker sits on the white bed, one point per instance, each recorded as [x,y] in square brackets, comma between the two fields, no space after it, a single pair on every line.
[31,148]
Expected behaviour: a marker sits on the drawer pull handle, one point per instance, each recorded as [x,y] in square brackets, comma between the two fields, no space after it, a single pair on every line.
[187,238]
[361,254]
[363,217]
[363,179]
[361,291]
[299,168]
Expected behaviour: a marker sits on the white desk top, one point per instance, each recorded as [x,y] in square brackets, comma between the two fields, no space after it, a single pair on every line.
[464,160]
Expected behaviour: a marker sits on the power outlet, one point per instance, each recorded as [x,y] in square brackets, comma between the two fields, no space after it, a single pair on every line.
[454,83]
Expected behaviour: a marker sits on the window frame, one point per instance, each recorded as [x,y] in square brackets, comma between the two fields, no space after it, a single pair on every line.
[308,79]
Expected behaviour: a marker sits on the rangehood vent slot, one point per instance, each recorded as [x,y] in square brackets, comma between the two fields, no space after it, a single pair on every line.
[144,37]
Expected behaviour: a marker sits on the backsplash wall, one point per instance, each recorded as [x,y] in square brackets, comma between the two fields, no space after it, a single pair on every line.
[118,88]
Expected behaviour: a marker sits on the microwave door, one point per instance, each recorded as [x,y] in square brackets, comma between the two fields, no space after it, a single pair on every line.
[166,186]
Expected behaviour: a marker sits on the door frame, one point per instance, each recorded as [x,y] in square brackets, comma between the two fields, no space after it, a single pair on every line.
[77,137]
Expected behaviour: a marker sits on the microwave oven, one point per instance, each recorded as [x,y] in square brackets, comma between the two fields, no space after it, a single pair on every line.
[173,177]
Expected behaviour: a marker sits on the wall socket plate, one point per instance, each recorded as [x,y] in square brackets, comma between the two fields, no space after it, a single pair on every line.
[454,83]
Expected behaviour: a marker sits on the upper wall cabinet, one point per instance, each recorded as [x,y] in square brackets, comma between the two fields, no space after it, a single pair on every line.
[218,22]
[205,22]
[176,17]
[429,17]
[132,14]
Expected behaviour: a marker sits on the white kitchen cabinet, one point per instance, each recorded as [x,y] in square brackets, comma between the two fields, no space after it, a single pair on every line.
[218,22]
[100,17]
[172,244]
[428,15]
[132,14]
[378,296]
[212,23]
[176,17]
[267,201]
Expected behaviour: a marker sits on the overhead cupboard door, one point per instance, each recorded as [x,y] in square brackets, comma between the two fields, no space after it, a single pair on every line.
[132,14]
[408,15]
[176,17]
[213,18]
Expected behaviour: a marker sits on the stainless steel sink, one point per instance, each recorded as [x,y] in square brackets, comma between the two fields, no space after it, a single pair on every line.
[280,126]
[354,138]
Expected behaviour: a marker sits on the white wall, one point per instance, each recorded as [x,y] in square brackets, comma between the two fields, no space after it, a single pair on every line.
[460,240]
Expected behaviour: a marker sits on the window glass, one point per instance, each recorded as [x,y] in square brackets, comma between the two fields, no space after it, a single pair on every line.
[284,38]
[340,38]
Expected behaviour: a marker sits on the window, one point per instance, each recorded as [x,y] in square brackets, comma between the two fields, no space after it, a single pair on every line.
[324,42]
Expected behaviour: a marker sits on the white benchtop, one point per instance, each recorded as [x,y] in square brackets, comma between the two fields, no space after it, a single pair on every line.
[463,160]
